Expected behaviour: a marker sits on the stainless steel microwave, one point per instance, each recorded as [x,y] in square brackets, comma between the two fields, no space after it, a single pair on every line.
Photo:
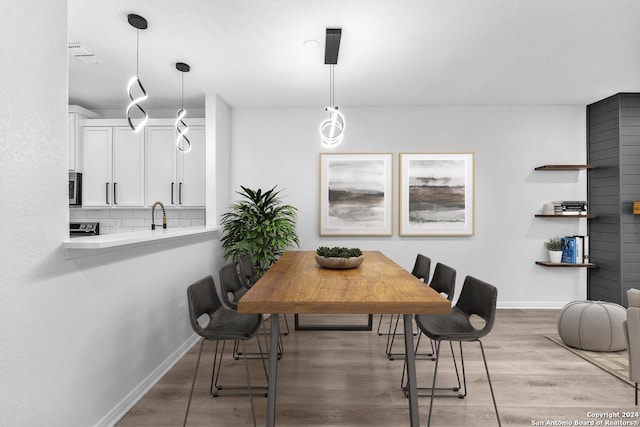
[75,189]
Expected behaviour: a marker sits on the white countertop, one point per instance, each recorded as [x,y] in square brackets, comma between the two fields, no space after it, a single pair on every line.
[105,241]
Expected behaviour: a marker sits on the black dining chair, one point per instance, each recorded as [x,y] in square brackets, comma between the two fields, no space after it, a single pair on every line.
[213,322]
[249,276]
[421,270]
[230,288]
[477,298]
[247,270]
[444,283]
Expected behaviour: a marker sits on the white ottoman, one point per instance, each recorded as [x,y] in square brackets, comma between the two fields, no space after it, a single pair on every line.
[593,325]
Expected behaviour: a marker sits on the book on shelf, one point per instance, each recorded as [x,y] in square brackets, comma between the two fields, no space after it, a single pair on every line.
[570,207]
[567,207]
[582,245]
[568,249]
[575,249]
[579,249]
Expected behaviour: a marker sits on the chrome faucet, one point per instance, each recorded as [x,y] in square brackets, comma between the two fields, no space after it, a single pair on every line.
[164,216]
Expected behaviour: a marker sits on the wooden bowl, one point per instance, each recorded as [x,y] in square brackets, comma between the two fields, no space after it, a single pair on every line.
[337,263]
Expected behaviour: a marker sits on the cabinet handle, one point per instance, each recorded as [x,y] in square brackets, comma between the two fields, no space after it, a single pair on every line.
[180,194]
[115,193]
[106,192]
[172,185]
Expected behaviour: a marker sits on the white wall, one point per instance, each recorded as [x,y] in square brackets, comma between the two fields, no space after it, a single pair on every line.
[281,147]
[80,337]
[218,116]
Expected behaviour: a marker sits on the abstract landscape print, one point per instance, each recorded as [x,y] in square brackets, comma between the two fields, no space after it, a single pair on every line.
[436,194]
[355,194]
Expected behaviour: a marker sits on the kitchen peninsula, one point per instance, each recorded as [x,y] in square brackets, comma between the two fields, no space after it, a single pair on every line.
[81,245]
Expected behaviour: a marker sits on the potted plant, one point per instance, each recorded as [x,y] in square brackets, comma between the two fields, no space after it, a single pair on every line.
[554,246]
[339,258]
[259,225]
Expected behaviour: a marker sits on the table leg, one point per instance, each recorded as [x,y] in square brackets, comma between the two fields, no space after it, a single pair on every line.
[273,370]
[410,360]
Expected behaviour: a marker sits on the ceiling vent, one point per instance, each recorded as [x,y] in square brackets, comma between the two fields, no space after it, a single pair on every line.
[83,54]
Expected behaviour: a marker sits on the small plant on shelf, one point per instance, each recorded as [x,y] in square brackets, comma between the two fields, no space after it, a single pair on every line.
[553,244]
[554,247]
[338,252]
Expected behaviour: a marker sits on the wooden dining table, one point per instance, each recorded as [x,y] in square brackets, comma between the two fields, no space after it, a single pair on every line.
[297,284]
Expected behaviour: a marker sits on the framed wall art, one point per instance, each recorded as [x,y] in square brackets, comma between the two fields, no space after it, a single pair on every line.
[436,194]
[356,194]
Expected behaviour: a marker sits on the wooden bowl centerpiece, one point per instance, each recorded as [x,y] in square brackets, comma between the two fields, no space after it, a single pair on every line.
[337,258]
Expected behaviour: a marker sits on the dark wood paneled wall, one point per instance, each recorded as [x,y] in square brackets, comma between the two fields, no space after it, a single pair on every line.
[613,147]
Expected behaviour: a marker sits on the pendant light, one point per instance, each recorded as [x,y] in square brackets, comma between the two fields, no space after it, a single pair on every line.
[332,129]
[139,23]
[182,142]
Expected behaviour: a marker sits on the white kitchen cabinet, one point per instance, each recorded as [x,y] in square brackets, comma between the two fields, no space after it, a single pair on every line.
[191,170]
[75,116]
[72,137]
[113,167]
[160,151]
[173,177]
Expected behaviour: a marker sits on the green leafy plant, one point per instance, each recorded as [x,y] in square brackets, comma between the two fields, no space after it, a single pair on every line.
[259,225]
[553,244]
[338,252]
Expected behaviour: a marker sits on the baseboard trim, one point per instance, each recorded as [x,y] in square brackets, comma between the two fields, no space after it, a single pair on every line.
[121,409]
[531,305]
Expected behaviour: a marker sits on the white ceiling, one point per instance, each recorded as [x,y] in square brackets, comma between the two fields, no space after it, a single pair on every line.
[393,52]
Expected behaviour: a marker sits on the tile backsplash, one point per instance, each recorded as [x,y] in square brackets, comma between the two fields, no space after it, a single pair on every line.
[128,220]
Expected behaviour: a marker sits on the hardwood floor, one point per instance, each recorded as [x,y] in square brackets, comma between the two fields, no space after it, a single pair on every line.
[344,379]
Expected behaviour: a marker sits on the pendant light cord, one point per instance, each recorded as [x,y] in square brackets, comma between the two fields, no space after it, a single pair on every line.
[182,97]
[331,87]
[137,51]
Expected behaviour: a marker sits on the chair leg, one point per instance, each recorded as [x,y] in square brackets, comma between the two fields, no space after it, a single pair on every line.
[404,367]
[286,325]
[433,387]
[264,365]
[464,375]
[236,347]
[490,386]
[431,354]
[193,384]
[246,370]
[391,336]
[379,324]
[455,365]
[391,339]
[636,394]
[215,374]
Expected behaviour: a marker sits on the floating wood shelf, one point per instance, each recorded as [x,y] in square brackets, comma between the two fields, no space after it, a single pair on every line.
[588,216]
[564,167]
[564,264]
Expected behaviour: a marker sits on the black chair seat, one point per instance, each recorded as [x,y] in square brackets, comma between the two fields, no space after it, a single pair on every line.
[227,324]
[450,327]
